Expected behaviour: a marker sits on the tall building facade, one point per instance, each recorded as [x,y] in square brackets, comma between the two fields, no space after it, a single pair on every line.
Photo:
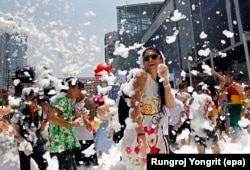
[109,40]
[210,32]
[3,58]
[132,22]
[12,56]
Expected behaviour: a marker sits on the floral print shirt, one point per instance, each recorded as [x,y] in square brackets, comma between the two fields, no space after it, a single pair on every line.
[62,138]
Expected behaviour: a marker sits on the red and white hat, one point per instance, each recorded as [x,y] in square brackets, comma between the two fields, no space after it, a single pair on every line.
[98,99]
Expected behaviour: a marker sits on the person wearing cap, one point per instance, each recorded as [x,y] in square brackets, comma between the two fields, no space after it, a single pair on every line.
[102,144]
[62,139]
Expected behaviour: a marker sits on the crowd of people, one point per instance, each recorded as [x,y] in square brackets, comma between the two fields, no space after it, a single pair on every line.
[61,125]
[161,118]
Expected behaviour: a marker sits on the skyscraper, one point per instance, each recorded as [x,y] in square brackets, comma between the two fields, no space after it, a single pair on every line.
[132,22]
[12,56]
[210,32]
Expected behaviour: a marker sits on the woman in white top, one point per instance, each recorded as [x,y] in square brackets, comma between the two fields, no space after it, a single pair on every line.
[151,90]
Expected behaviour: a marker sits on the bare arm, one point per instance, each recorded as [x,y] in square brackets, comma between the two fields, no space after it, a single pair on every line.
[240,90]
[136,116]
[54,119]
[169,98]
[215,115]
[221,78]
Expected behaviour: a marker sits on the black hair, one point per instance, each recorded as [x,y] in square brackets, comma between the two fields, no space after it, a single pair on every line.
[229,73]
[31,93]
[80,84]
[161,93]
[160,84]
[35,96]
[182,85]
[69,82]
[47,89]
[154,49]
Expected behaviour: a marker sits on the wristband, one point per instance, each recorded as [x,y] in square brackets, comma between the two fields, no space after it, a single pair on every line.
[141,134]
[168,85]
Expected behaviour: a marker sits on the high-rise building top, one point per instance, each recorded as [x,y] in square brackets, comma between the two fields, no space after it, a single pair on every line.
[132,22]
[210,32]
[12,56]
[110,39]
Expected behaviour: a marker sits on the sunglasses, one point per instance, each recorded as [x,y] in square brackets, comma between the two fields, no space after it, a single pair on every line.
[152,56]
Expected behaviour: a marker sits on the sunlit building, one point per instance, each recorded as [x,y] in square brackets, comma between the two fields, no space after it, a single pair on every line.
[110,58]
[193,32]
[12,56]
[132,22]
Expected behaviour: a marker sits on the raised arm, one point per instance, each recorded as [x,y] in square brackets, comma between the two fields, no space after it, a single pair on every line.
[221,78]
[169,97]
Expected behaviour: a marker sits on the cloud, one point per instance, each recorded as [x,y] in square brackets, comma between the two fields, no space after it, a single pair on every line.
[90,14]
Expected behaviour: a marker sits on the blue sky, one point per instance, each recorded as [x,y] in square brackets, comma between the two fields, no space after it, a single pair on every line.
[70,15]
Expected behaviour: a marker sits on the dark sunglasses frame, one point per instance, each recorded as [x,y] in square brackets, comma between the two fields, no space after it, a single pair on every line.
[152,56]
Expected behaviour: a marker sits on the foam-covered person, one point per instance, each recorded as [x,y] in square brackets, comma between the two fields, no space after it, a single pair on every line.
[27,122]
[102,144]
[151,91]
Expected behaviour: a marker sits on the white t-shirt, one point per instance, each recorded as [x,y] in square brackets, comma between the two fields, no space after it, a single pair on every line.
[81,131]
[175,113]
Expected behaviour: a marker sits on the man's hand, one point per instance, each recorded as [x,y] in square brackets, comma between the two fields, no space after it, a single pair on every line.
[76,124]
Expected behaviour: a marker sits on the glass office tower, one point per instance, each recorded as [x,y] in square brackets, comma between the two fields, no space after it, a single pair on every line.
[216,26]
[132,22]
